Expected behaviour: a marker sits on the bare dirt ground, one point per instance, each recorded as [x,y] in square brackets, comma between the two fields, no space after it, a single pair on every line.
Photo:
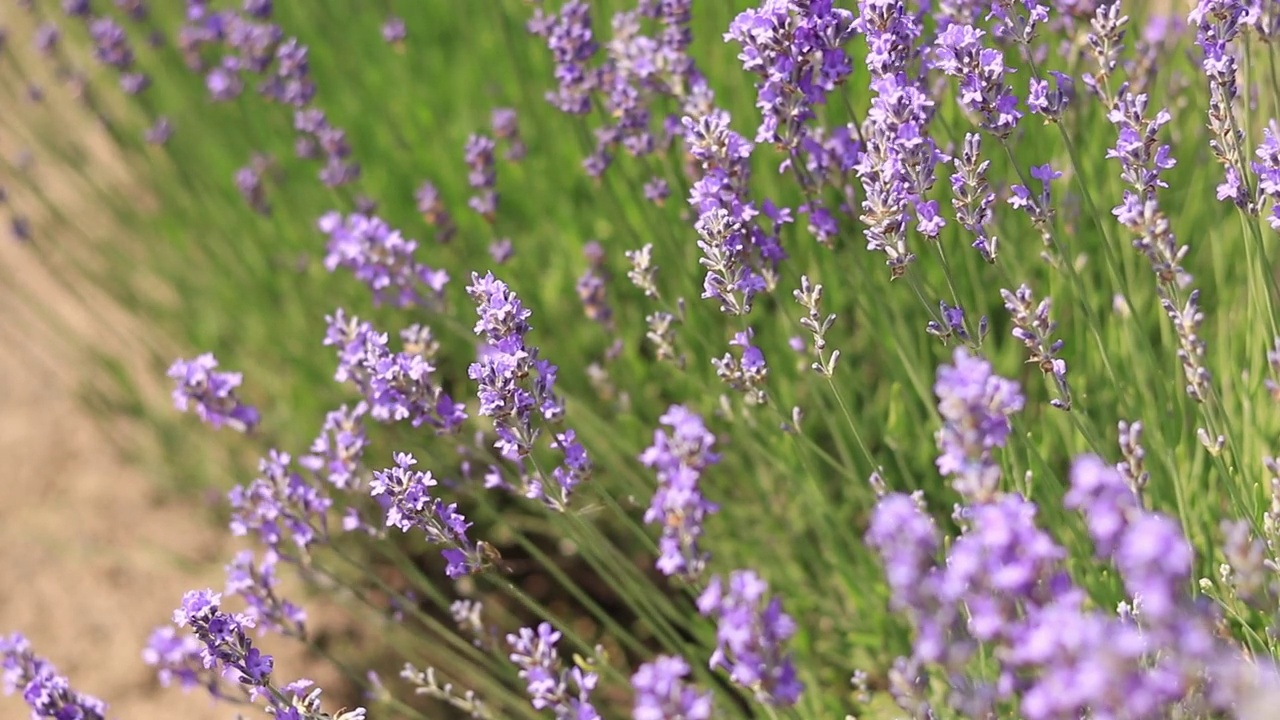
[93,555]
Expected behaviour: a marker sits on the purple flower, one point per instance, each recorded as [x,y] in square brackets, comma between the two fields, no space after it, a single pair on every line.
[46,38]
[566,693]
[212,393]
[48,694]
[432,208]
[481,176]
[514,383]
[1032,326]
[506,127]
[248,181]
[335,454]
[796,50]
[410,504]
[572,43]
[256,582]
[177,657]
[679,458]
[959,52]
[972,197]
[975,405]
[751,633]
[382,258]
[1051,103]
[397,386]
[227,647]
[393,30]
[110,44]
[258,8]
[897,163]
[747,372]
[1267,168]
[662,692]
[1217,25]
[279,504]
[159,132]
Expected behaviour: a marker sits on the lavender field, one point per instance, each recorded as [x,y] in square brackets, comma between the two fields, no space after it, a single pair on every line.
[661,359]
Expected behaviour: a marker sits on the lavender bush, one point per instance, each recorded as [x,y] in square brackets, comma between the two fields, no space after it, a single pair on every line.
[783,359]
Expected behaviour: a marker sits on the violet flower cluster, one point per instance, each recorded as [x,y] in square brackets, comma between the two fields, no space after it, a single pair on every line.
[751,636]
[898,161]
[796,49]
[662,693]
[46,692]
[410,504]
[1003,591]
[398,386]
[212,393]
[514,383]
[382,258]
[679,458]
[975,405]
[228,651]
[550,686]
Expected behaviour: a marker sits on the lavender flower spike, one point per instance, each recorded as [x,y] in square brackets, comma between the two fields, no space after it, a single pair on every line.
[750,636]
[975,405]
[680,459]
[212,393]
[48,694]
[663,694]
[514,383]
[566,693]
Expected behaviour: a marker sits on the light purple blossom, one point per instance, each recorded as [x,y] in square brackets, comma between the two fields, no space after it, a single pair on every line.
[382,258]
[410,504]
[679,458]
[566,692]
[662,693]
[47,693]
[212,393]
[975,405]
[751,636]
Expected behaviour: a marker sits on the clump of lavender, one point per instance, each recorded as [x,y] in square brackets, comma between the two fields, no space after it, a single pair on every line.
[972,198]
[751,634]
[746,372]
[505,124]
[514,383]
[482,176]
[159,132]
[257,583]
[398,386]
[1217,25]
[382,258]
[592,285]
[572,43]
[662,693]
[796,51]
[212,393]
[975,405]
[959,52]
[737,253]
[228,651]
[432,209]
[410,504]
[1267,168]
[1038,207]
[46,692]
[280,506]
[335,454]
[566,692]
[1034,329]
[1142,159]
[680,458]
[176,657]
[394,31]
[898,160]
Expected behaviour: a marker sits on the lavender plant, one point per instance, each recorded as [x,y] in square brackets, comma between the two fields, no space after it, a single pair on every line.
[612,473]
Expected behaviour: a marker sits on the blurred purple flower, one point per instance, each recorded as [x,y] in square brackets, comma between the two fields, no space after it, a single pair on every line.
[679,459]
[212,393]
